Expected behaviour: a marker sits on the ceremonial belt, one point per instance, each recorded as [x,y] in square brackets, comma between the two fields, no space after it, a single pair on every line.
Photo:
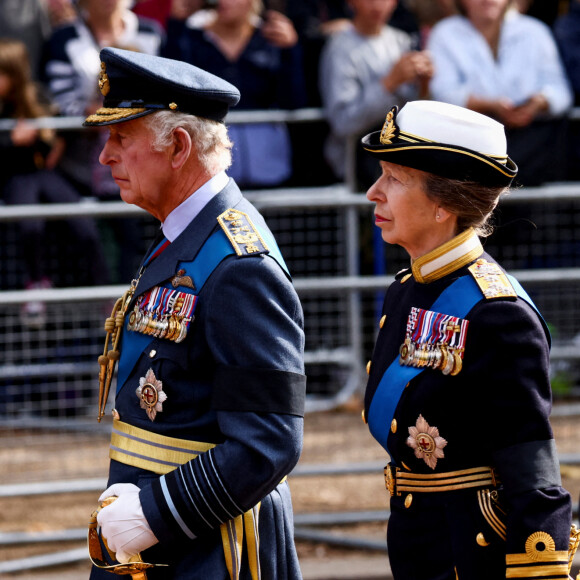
[161,454]
[397,481]
[457,300]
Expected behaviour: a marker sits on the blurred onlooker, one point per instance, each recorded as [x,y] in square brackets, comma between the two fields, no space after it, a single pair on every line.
[27,21]
[545,10]
[258,52]
[61,12]
[428,13]
[72,69]
[155,9]
[364,71]
[315,21]
[28,158]
[567,33]
[496,61]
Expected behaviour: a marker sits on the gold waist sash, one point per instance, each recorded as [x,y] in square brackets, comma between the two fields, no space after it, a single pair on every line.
[161,454]
[398,481]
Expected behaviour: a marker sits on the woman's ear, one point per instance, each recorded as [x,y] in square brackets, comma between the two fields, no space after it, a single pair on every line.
[182,148]
[442,215]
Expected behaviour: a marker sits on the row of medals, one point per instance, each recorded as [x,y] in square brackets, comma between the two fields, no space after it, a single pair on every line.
[436,356]
[170,326]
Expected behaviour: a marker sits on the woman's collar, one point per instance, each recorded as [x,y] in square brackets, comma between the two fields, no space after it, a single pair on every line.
[447,258]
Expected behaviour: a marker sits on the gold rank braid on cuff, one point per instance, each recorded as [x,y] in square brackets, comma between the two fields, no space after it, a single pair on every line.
[108,360]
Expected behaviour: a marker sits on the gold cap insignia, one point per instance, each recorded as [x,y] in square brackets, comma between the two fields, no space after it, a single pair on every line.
[104,85]
[173,106]
[389,129]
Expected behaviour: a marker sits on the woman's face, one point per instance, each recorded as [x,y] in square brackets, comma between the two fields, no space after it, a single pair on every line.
[485,10]
[403,212]
[234,10]
[105,7]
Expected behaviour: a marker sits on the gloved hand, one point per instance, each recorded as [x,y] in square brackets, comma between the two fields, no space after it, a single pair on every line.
[123,523]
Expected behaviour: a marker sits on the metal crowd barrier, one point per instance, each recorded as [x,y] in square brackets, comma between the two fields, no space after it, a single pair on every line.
[348,284]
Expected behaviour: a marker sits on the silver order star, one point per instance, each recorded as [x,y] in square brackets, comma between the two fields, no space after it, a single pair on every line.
[426,442]
[151,394]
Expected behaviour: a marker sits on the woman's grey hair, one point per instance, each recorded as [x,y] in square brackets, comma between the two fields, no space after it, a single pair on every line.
[210,138]
[470,201]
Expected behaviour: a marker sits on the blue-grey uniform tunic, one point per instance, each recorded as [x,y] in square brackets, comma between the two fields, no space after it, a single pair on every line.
[237,381]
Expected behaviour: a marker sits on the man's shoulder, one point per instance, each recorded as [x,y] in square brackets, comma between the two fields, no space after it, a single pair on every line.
[343,40]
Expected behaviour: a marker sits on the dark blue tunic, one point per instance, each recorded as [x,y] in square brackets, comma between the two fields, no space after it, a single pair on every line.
[494,413]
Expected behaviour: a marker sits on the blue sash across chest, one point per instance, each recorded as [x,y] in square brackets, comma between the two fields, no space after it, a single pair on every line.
[457,300]
[214,250]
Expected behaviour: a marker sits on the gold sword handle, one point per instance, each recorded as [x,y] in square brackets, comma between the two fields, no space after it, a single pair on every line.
[135,567]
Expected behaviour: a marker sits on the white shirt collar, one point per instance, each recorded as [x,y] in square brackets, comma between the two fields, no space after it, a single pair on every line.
[176,222]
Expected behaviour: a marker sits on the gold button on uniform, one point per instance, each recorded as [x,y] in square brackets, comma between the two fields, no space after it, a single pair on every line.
[368,367]
[394,425]
[152,353]
[382,322]
[408,501]
[480,539]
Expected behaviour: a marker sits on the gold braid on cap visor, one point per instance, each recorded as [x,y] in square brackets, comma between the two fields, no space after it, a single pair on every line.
[440,148]
[112,114]
[390,131]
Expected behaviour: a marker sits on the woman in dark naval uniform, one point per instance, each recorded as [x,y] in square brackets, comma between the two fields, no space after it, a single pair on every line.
[459,392]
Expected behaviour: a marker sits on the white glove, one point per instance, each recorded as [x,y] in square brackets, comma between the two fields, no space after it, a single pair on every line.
[123,523]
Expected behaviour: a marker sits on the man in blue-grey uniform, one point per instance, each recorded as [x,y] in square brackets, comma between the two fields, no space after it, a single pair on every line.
[209,340]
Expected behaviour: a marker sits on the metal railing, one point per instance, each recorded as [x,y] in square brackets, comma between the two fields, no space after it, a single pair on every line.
[349,283]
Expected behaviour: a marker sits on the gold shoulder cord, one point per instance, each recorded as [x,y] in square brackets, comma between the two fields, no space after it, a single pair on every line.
[108,360]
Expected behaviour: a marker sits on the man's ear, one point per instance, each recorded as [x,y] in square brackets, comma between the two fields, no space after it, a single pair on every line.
[182,147]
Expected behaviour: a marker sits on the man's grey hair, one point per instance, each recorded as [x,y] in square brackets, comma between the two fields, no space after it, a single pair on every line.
[210,138]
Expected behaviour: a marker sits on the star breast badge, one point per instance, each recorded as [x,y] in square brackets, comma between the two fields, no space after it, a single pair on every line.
[426,442]
[151,394]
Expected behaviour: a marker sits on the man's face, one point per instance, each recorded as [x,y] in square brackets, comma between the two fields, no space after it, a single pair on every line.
[372,11]
[143,175]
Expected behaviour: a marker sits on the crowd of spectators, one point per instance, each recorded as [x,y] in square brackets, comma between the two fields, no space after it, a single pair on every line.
[516,60]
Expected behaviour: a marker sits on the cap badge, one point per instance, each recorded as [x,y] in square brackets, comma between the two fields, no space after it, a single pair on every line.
[151,395]
[389,129]
[173,106]
[426,442]
[104,85]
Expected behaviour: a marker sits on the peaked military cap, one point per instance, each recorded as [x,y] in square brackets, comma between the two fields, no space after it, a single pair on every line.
[445,140]
[136,84]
